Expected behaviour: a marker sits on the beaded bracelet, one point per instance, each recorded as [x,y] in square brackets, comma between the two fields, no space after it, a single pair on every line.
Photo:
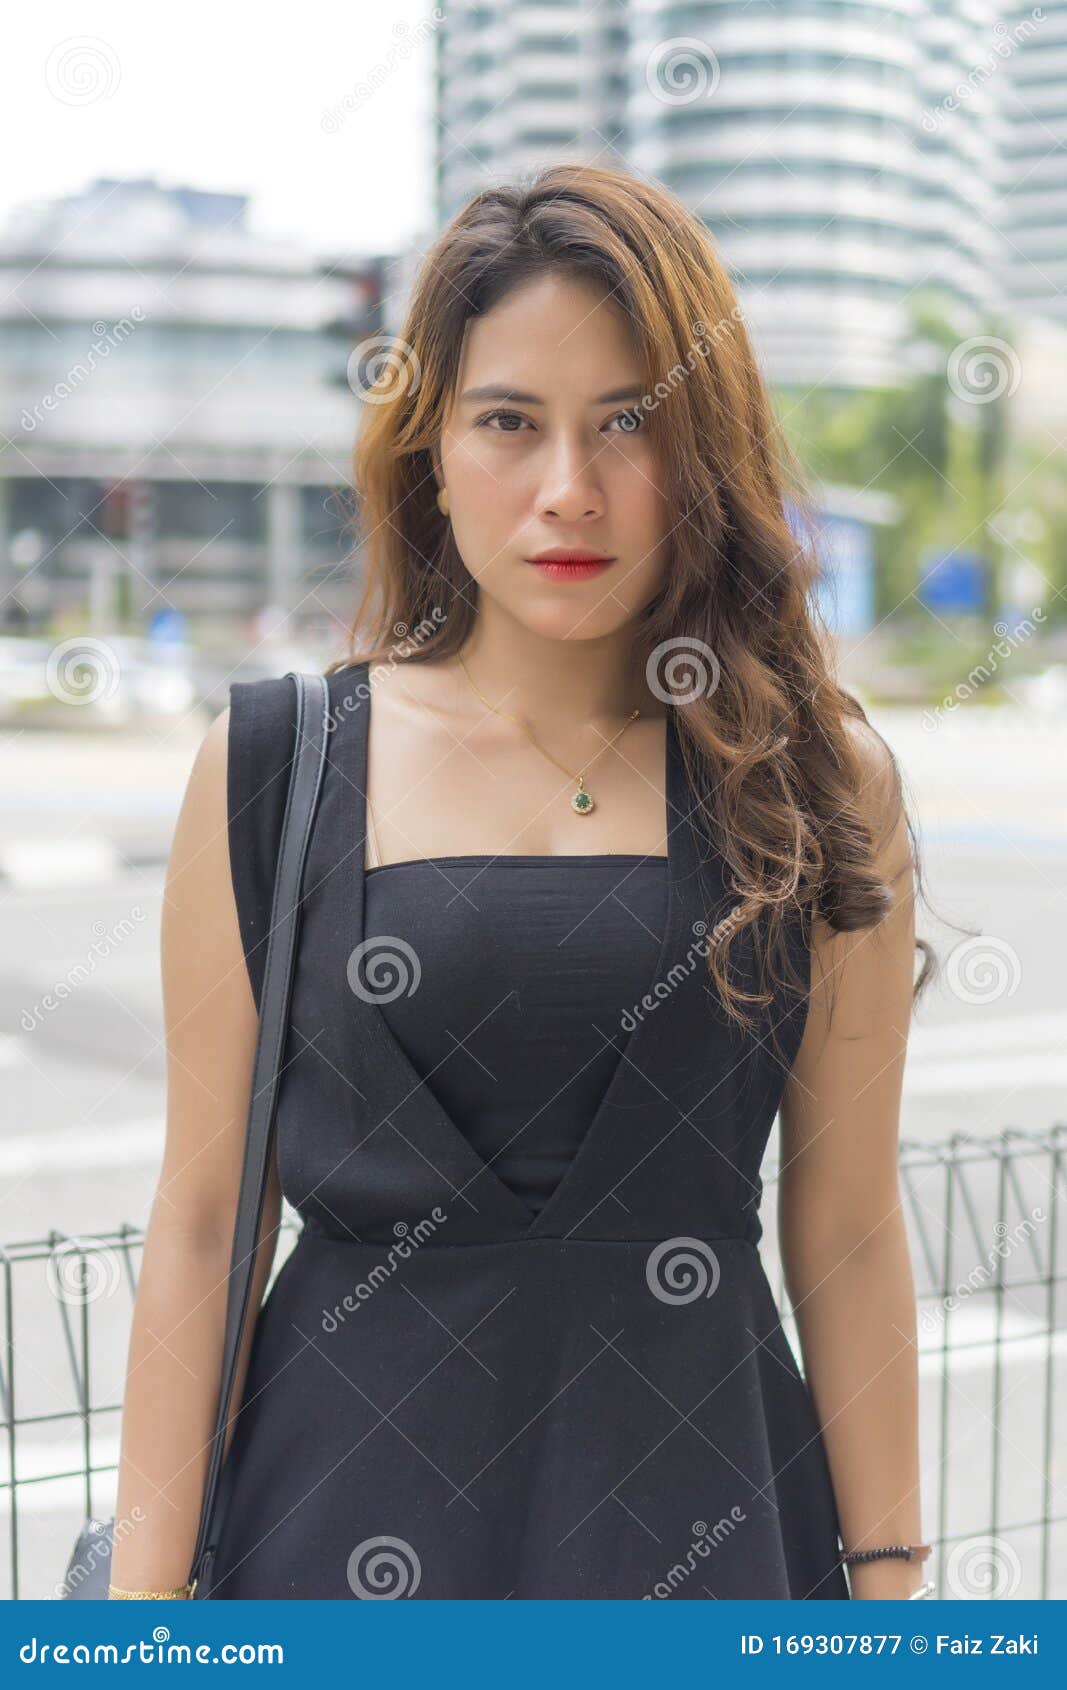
[904,1551]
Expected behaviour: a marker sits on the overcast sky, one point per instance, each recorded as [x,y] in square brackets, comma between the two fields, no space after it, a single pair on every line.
[255,100]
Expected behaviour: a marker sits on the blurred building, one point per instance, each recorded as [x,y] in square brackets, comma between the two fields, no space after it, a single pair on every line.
[175,402]
[1035,152]
[844,153]
[520,83]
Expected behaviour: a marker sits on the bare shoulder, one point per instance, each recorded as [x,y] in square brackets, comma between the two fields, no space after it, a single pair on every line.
[203,805]
[879,796]
[210,761]
[410,690]
[198,871]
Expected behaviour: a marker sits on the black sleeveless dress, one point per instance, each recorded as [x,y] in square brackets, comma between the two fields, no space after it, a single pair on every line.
[524,1345]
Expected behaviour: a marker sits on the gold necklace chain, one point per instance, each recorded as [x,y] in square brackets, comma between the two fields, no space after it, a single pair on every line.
[581,801]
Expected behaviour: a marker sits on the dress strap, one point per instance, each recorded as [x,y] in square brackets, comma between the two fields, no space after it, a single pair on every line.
[261,737]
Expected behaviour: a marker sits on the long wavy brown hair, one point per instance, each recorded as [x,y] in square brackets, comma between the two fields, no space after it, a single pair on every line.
[734,635]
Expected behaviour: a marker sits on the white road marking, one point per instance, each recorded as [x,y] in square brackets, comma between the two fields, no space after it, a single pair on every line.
[72,1149]
[46,862]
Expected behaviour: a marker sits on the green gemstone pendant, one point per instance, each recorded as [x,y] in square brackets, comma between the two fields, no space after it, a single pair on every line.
[581,801]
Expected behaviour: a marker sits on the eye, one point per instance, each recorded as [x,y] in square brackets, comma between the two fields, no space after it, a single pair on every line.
[630,422]
[512,422]
[509,416]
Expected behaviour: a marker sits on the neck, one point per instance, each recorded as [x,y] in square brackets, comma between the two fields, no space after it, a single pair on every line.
[555,681]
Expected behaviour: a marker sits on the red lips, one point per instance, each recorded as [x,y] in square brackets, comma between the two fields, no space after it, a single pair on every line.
[564,554]
[564,564]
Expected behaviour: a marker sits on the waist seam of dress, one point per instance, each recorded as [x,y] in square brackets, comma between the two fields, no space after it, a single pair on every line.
[316,1231]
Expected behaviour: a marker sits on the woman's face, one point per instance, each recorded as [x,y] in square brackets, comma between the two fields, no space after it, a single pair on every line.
[536,455]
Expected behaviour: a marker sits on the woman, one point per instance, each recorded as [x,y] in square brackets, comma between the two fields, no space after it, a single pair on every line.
[607,870]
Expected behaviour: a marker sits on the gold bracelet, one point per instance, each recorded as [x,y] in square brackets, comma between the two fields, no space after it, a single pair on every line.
[185,1590]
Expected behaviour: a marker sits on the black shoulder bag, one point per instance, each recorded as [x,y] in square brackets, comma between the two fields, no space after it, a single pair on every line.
[89,1570]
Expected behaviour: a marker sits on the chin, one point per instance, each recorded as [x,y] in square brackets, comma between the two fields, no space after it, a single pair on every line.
[572,621]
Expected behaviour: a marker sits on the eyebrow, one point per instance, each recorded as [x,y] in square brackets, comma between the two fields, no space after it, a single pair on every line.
[616,396]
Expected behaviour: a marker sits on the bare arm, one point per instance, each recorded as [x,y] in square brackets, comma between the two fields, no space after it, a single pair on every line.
[844,1247]
[175,1354]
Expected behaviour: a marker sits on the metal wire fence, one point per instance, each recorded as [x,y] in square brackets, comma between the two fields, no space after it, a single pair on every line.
[984,1219]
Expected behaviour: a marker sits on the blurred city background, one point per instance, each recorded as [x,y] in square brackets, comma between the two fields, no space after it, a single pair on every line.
[202,254]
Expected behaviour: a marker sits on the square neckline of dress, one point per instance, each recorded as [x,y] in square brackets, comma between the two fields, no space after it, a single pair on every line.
[636,858]
[527,857]
[440,1133]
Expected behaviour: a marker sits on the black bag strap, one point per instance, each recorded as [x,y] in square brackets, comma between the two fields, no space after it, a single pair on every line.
[305,784]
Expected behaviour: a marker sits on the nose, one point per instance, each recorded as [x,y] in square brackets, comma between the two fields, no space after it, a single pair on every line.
[572,490]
